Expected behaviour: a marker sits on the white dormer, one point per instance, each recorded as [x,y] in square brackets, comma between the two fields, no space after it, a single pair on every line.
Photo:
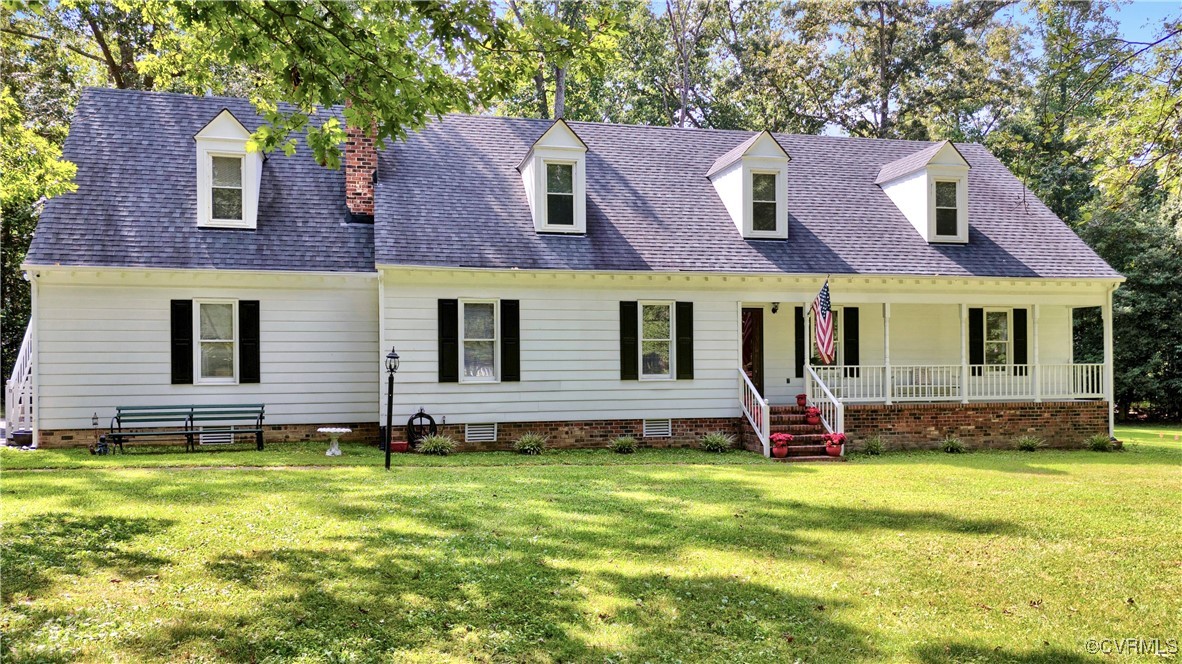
[228,176]
[554,173]
[752,181]
[931,189]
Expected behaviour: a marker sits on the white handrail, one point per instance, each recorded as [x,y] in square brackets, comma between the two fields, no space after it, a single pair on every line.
[832,409]
[757,411]
[18,390]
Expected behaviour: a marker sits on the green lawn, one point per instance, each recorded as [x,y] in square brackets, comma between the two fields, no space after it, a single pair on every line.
[663,556]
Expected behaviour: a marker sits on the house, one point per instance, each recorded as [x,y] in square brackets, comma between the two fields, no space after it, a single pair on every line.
[585,280]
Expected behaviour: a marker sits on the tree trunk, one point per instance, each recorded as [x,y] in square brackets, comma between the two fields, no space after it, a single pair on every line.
[884,98]
[559,93]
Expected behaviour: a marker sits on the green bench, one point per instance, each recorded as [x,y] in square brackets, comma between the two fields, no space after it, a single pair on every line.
[188,421]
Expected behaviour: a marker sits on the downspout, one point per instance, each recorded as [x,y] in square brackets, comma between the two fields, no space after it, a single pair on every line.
[381,344]
[36,359]
[1109,359]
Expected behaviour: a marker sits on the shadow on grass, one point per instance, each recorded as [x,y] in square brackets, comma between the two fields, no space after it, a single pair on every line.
[962,653]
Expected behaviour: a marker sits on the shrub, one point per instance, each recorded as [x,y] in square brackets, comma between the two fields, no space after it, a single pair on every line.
[437,445]
[623,445]
[530,443]
[1099,443]
[1029,443]
[717,441]
[873,446]
[952,445]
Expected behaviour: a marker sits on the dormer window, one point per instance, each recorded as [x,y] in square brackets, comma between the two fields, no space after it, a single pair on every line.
[554,173]
[752,181]
[227,189]
[560,194]
[228,175]
[930,188]
[763,202]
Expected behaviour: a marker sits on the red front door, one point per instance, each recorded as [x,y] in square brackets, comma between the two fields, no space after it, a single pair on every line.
[753,346]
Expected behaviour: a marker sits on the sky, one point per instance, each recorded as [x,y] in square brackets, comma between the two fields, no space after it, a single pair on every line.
[1139,21]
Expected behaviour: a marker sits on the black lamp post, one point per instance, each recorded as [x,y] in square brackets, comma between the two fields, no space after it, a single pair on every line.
[391,369]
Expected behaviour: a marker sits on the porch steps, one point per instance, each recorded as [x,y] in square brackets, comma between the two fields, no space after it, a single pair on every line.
[807,443]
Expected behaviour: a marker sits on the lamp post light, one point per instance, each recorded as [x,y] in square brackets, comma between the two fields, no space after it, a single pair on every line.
[391,369]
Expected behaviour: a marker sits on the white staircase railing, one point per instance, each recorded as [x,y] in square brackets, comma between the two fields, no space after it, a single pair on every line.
[757,411]
[821,398]
[18,391]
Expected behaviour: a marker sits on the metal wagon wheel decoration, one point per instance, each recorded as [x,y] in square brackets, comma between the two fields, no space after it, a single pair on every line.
[419,426]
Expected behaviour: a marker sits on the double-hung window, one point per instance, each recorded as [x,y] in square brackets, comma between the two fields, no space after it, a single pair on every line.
[947,223]
[226,184]
[997,339]
[217,337]
[478,324]
[763,202]
[560,194]
[656,340]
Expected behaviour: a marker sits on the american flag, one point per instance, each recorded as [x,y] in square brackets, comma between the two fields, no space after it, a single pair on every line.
[823,320]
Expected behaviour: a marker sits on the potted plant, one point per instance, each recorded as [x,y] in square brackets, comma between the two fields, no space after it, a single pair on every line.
[834,443]
[812,415]
[780,444]
[802,400]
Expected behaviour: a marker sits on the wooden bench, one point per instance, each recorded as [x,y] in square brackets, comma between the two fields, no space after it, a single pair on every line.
[188,421]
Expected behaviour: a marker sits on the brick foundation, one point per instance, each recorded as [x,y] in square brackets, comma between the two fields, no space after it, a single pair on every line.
[365,432]
[1061,424]
[595,433]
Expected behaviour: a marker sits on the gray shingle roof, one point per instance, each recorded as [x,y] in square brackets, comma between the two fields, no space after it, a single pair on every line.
[136,203]
[450,196]
[908,164]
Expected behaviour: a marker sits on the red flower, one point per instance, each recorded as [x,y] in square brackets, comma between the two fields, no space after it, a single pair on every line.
[834,439]
[781,439]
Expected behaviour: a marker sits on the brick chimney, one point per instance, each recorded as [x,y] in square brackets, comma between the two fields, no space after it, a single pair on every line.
[361,167]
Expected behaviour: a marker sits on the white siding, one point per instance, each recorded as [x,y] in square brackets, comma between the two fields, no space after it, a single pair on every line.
[107,343]
[910,195]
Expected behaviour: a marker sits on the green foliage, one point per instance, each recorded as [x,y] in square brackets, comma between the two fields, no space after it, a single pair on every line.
[436,445]
[1100,442]
[623,445]
[718,441]
[873,446]
[530,443]
[952,445]
[1029,443]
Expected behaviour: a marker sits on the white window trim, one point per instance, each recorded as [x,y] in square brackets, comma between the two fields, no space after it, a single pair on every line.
[496,339]
[198,379]
[241,157]
[1009,342]
[948,174]
[672,375]
[547,227]
[753,166]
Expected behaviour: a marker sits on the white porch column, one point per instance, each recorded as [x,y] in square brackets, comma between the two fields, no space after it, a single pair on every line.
[1034,368]
[964,353]
[888,387]
[1109,389]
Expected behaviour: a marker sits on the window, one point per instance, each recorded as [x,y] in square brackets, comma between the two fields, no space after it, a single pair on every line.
[836,314]
[997,338]
[560,194]
[217,327]
[478,323]
[227,188]
[946,208]
[656,340]
[763,202]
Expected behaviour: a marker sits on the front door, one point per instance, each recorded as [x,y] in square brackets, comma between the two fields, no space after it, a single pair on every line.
[753,346]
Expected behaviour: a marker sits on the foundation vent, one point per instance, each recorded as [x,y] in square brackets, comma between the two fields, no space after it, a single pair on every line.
[658,428]
[221,438]
[480,433]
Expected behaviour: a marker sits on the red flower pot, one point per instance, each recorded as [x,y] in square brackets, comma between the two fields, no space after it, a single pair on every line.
[399,446]
[780,451]
[813,419]
[802,400]
[833,450]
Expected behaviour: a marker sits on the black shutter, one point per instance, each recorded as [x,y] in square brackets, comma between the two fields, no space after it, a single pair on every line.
[510,340]
[248,341]
[182,342]
[449,342]
[685,340]
[629,350]
[1020,341]
[799,332]
[850,337]
[976,338]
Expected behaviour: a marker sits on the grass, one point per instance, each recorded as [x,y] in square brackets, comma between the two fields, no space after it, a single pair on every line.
[660,556]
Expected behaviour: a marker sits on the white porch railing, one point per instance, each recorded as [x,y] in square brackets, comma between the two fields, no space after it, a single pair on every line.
[18,390]
[1071,381]
[926,382]
[757,411]
[860,383]
[823,399]
[1000,382]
